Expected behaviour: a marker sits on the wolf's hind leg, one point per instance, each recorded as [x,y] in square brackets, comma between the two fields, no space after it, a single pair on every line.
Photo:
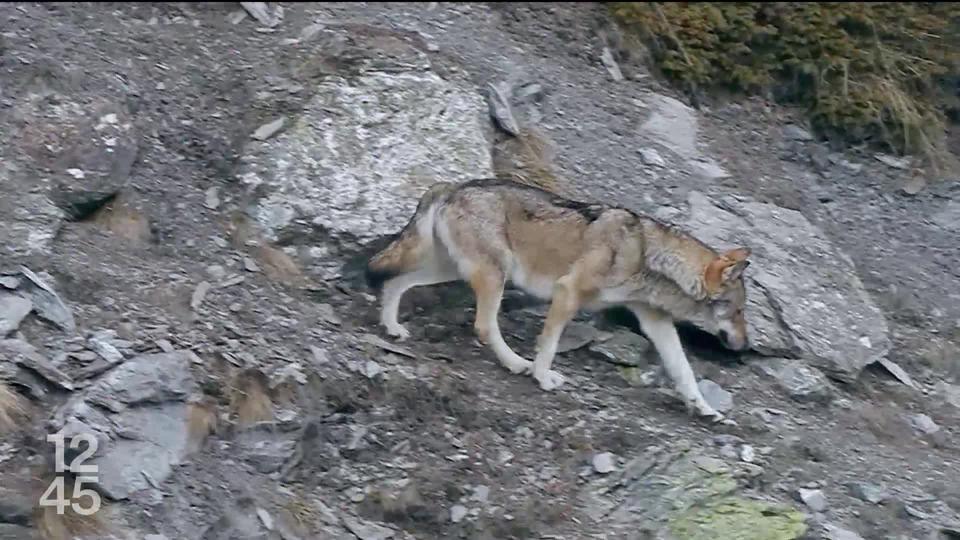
[432,274]
[487,282]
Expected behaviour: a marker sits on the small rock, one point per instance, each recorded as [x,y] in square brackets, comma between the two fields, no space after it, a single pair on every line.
[897,372]
[649,156]
[259,11]
[611,64]
[250,265]
[725,439]
[265,518]
[457,513]
[26,355]
[212,199]
[708,169]
[500,109]
[575,336]
[728,451]
[747,454]
[533,91]
[268,130]
[915,513]
[481,494]
[106,350]
[924,424]
[949,392]
[155,537]
[833,532]
[364,530]
[47,302]
[624,348]
[310,31]
[604,463]
[13,309]
[800,381]
[890,161]
[196,300]
[9,282]
[236,17]
[216,272]
[717,397]
[867,492]
[949,532]
[814,499]
[796,133]
[15,507]
[371,369]
[914,186]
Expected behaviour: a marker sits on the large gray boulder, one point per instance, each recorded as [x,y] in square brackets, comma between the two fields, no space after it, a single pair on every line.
[364,149]
[804,296]
[139,416]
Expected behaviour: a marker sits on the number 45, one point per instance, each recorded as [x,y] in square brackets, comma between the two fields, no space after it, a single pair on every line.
[54,494]
[56,490]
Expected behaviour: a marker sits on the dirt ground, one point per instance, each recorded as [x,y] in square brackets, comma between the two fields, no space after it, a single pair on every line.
[404,447]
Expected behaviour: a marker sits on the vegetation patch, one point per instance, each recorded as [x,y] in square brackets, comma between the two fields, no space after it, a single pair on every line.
[883,73]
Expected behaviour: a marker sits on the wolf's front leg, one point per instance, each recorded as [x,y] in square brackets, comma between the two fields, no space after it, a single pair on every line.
[661,330]
[563,307]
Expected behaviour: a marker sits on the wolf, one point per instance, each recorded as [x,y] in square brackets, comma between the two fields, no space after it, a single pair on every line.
[575,255]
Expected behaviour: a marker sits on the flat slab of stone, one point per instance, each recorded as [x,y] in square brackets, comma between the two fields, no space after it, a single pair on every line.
[804,296]
[139,416]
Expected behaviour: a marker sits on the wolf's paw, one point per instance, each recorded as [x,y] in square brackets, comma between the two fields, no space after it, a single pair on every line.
[703,409]
[397,331]
[519,366]
[550,380]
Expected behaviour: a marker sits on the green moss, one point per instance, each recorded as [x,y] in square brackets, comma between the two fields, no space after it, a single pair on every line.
[882,72]
[706,508]
[735,518]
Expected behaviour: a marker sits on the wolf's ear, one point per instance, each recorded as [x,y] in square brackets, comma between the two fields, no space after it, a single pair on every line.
[725,268]
[734,271]
[737,255]
[736,263]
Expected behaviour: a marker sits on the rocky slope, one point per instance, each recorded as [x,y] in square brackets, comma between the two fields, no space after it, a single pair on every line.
[187,190]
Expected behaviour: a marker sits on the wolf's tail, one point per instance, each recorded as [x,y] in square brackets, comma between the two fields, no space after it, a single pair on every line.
[404,252]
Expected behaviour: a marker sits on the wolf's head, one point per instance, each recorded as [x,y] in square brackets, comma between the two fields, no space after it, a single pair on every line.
[726,297]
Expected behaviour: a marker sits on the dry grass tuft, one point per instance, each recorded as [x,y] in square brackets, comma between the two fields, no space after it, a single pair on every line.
[124,220]
[13,409]
[882,73]
[250,400]
[403,506]
[278,266]
[201,421]
[526,159]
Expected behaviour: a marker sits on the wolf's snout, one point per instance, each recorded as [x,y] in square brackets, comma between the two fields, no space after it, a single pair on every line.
[732,342]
